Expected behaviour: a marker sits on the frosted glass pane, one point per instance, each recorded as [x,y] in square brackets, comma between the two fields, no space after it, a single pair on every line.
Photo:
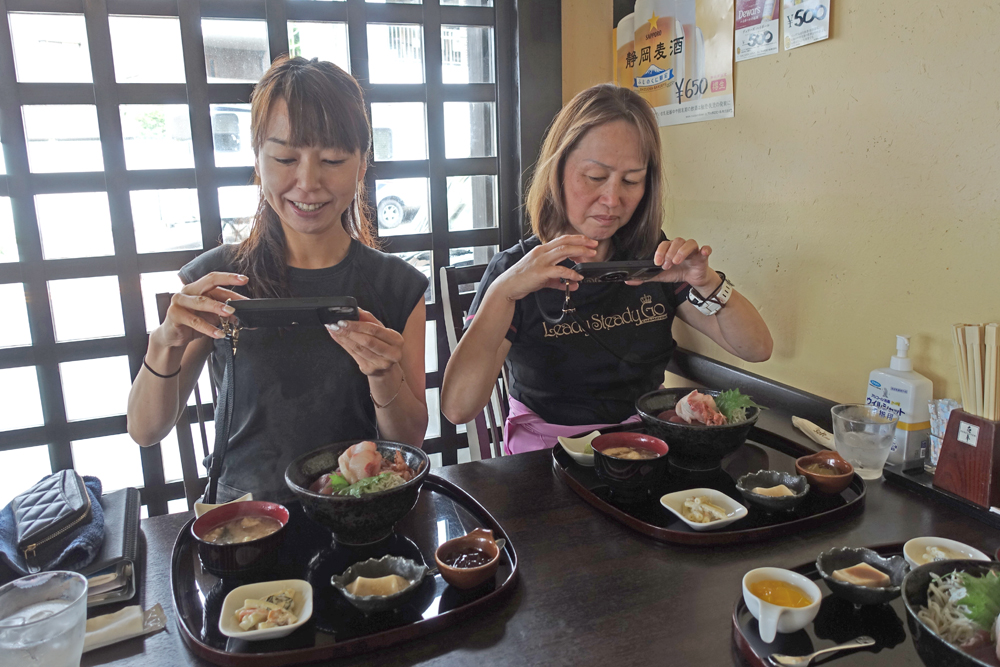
[433,413]
[472,202]
[235,51]
[399,131]
[166,220]
[468,257]
[421,261]
[147,49]
[151,284]
[177,506]
[431,347]
[326,41]
[84,308]
[20,469]
[74,224]
[395,53]
[95,388]
[113,458]
[50,48]
[231,135]
[468,3]
[469,129]
[63,138]
[15,330]
[205,389]
[237,206]
[402,206]
[157,136]
[20,398]
[8,241]
[466,54]
[170,454]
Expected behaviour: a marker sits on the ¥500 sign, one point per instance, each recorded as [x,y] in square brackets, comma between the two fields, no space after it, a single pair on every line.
[805,21]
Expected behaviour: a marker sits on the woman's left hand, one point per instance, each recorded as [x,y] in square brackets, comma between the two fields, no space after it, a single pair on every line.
[373,346]
[684,261]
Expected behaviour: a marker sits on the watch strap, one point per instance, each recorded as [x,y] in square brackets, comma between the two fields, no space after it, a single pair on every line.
[715,301]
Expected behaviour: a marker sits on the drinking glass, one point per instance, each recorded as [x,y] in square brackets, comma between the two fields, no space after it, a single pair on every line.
[43,619]
[863,437]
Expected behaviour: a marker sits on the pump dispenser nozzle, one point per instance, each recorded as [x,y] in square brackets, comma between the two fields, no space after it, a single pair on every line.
[902,361]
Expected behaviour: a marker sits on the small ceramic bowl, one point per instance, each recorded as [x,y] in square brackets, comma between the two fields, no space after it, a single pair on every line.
[843,557]
[373,568]
[675,503]
[772,618]
[577,448]
[468,577]
[629,479]
[237,559]
[768,478]
[827,484]
[914,550]
[303,608]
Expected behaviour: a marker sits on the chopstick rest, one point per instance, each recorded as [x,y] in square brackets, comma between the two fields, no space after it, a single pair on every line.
[815,433]
[123,624]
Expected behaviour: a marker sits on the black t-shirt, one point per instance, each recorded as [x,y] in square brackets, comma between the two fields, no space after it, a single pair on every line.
[297,389]
[560,371]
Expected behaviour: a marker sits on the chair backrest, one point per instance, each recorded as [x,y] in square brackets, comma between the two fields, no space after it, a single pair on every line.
[485,433]
[194,482]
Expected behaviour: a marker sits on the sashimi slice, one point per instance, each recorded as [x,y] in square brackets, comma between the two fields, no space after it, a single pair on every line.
[697,407]
[350,470]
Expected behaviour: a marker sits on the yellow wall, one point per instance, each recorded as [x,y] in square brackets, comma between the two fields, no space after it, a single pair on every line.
[856,195]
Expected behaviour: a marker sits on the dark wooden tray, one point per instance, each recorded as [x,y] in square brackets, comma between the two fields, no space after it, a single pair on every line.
[652,519]
[336,628]
[836,623]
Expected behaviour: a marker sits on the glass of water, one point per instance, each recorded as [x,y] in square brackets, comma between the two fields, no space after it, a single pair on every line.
[43,619]
[863,437]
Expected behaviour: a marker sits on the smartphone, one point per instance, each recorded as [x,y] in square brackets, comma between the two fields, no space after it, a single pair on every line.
[616,272]
[307,312]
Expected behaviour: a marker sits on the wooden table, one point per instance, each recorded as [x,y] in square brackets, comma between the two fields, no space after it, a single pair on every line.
[592,592]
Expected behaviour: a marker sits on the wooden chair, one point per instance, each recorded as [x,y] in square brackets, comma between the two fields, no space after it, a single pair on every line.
[194,475]
[485,433]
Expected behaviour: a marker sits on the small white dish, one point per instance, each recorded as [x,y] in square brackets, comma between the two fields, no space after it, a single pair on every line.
[913,549]
[675,503]
[575,447]
[772,618]
[201,508]
[303,608]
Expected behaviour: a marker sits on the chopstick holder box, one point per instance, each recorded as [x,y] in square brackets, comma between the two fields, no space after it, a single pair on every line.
[969,464]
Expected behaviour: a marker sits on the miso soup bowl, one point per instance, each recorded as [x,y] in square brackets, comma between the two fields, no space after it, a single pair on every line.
[237,559]
[772,618]
[356,521]
[629,479]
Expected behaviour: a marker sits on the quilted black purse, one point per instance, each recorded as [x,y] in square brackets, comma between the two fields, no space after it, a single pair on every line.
[47,515]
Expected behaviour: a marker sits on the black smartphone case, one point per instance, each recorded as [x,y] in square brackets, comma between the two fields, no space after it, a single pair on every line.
[310,311]
[613,272]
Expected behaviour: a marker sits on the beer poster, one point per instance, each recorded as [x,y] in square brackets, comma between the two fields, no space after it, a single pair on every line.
[677,54]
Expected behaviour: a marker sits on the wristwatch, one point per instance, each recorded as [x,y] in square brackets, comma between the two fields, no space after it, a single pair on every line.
[716,300]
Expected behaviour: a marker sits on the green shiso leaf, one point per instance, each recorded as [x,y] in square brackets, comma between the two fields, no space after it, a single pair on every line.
[982,598]
[733,405]
[362,485]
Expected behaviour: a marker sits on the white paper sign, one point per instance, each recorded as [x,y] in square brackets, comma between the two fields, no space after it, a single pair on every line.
[805,22]
[968,433]
[757,28]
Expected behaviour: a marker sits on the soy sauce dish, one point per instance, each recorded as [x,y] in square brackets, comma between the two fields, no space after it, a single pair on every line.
[468,561]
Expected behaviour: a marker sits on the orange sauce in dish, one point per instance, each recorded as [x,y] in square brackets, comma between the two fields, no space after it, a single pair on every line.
[780,593]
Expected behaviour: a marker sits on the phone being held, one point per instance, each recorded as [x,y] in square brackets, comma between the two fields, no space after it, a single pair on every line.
[308,311]
[616,272]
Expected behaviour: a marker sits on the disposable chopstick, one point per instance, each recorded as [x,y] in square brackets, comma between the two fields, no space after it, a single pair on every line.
[988,375]
[958,338]
[992,380]
[974,341]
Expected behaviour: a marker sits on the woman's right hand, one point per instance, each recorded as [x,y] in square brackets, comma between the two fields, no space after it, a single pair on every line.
[540,268]
[198,310]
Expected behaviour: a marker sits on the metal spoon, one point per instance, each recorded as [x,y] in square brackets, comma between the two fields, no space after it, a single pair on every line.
[803,660]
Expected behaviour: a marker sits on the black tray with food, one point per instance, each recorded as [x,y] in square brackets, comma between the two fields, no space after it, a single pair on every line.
[651,518]
[839,621]
[336,628]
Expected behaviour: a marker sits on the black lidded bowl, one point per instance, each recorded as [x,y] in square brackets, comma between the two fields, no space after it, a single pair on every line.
[240,558]
[629,479]
[843,557]
[932,649]
[356,521]
[692,446]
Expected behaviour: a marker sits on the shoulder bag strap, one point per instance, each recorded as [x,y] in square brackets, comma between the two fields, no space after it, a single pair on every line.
[223,413]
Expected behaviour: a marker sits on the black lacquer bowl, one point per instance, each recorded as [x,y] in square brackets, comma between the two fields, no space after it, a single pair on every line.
[843,557]
[932,649]
[692,446]
[356,521]
[629,479]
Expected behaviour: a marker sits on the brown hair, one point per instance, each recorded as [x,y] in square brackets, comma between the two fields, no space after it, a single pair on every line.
[604,103]
[325,108]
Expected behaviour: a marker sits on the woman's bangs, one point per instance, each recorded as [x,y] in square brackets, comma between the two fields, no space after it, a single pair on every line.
[314,121]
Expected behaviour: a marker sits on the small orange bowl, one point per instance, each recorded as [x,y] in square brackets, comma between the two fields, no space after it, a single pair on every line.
[828,484]
[468,577]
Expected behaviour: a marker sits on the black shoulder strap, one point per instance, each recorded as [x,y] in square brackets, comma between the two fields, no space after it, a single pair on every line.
[223,414]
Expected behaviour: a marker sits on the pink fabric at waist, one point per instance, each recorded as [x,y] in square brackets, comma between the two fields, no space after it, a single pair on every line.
[525,431]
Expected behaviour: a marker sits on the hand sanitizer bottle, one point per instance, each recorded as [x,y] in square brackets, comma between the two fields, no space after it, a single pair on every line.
[900,392]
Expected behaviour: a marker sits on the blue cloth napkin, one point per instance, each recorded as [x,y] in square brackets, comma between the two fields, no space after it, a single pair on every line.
[83,546]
